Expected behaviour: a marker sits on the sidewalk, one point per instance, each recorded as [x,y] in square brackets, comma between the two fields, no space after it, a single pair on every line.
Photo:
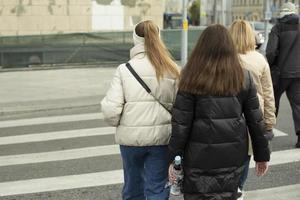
[29,91]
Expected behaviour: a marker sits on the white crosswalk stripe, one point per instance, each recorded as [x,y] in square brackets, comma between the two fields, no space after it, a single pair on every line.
[59,155]
[61,183]
[280,193]
[280,157]
[94,179]
[58,135]
[49,120]
[278,133]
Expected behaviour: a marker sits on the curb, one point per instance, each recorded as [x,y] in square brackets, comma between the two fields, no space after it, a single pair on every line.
[48,105]
[61,66]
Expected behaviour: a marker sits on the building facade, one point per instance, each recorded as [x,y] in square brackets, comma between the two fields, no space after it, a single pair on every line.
[253,10]
[31,17]
[173,6]
[216,11]
[120,16]
[35,17]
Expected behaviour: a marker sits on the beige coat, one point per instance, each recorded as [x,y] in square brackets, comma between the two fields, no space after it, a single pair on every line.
[260,71]
[140,120]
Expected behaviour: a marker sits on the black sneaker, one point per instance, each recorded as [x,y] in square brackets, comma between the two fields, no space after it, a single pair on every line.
[239,194]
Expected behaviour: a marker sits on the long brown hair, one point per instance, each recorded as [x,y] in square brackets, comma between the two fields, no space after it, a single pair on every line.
[213,67]
[156,51]
[243,36]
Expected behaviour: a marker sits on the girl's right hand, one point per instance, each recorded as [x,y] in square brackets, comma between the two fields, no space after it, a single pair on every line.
[261,168]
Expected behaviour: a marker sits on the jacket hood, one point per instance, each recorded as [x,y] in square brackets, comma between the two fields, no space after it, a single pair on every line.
[137,49]
[137,39]
[290,19]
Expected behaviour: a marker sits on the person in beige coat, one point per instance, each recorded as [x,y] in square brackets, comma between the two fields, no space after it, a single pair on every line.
[244,39]
[143,125]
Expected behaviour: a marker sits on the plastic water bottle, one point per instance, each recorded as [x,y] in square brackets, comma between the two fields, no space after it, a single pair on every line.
[176,187]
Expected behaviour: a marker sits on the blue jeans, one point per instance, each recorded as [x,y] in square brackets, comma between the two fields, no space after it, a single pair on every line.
[244,173]
[145,172]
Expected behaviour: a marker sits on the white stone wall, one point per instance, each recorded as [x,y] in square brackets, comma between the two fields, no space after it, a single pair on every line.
[107,17]
[29,17]
[120,17]
[145,10]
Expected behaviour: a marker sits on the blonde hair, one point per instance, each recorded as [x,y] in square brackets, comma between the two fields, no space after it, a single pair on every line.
[243,36]
[156,51]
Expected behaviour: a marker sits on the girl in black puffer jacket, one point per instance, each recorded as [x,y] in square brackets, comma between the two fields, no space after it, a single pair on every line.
[215,107]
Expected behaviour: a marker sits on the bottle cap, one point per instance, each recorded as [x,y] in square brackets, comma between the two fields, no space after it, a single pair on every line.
[177,160]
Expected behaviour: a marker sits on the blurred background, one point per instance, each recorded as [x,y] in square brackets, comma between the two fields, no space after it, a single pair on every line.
[58,58]
[89,32]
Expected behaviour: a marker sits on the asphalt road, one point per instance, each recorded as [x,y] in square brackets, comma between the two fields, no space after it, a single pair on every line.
[21,179]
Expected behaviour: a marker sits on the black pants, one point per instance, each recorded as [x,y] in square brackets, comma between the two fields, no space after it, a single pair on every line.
[292,88]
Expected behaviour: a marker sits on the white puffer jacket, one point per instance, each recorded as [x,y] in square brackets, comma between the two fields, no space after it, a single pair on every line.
[140,120]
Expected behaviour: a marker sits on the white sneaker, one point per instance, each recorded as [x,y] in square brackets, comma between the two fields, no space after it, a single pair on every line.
[240,194]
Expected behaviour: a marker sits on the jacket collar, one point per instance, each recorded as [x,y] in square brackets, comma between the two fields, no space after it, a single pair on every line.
[290,19]
[137,49]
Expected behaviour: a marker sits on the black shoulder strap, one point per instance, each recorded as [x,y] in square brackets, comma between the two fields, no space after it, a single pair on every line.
[138,78]
[144,85]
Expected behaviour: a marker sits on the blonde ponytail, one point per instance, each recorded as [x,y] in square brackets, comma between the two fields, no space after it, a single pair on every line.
[156,51]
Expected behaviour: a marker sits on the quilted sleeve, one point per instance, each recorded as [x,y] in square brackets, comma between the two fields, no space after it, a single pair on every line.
[182,121]
[113,102]
[268,96]
[272,46]
[255,123]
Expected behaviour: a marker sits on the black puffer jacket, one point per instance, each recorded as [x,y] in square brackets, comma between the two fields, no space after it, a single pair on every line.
[211,133]
[280,52]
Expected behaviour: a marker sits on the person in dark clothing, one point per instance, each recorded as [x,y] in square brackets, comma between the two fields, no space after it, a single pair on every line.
[216,105]
[283,50]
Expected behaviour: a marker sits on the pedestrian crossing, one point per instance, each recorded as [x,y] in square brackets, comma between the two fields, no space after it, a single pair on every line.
[49,120]
[61,183]
[57,135]
[91,179]
[59,155]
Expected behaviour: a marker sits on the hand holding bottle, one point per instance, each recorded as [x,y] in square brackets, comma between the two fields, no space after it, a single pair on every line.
[176,176]
[172,176]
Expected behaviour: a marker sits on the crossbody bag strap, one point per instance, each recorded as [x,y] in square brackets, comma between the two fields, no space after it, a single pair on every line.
[144,85]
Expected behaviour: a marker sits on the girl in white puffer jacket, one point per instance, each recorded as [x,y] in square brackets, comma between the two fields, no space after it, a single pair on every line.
[143,125]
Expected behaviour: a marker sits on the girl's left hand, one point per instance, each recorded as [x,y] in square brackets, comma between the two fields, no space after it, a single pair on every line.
[172,177]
